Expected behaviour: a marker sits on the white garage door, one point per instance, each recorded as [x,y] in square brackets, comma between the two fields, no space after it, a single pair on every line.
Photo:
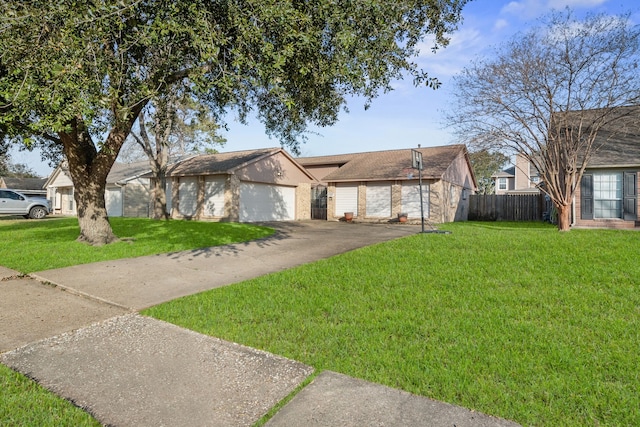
[346,199]
[188,196]
[266,202]
[113,201]
[169,196]
[214,196]
[411,200]
[379,200]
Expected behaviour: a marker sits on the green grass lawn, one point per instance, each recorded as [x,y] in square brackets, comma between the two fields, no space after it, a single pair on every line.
[514,320]
[29,245]
[25,403]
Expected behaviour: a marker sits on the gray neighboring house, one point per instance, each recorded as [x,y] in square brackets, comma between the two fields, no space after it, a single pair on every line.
[127,193]
[246,186]
[26,186]
[607,196]
[378,186]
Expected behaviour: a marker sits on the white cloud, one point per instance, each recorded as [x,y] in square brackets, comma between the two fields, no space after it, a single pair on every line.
[446,62]
[574,4]
[528,9]
[500,24]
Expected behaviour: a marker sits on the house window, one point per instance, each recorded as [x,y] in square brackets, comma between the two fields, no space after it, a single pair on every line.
[502,183]
[607,195]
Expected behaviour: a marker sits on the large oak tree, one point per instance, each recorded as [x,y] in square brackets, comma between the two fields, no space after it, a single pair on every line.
[550,94]
[75,74]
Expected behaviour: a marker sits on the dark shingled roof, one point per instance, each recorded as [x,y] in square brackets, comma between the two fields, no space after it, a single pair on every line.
[619,150]
[396,164]
[618,142]
[336,159]
[25,183]
[210,164]
[122,171]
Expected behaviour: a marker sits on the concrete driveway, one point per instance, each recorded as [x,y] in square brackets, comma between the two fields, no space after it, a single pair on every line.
[138,283]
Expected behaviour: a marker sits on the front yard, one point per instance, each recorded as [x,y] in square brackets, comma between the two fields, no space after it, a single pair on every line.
[514,320]
[28,246]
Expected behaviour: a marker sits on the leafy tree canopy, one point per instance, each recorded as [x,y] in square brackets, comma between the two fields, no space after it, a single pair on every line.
[75,74]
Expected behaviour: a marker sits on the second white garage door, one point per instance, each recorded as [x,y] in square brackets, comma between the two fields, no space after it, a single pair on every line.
[113,201]
[266,202]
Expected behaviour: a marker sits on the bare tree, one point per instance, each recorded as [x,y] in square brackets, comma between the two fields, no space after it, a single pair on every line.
[549,93]
[173,126]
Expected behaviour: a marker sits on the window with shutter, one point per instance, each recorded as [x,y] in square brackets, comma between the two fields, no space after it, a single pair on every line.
[630,204]
[586,197]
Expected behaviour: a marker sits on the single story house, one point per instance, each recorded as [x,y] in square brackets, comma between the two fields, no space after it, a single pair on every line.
[608,192]
[27,186]
[378,186]
[246,186]
[127,192]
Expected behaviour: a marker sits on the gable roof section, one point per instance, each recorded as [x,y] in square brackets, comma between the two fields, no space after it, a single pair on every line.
[119,173]
[123,172]
[617,143]
[225,163]
[336,159]
[24,183]
[509,172]
[621,149]
[396,164]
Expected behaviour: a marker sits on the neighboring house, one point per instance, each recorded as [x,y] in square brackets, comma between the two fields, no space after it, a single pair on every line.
[608,192]
[377,186]
[246,186]
[522,178]
[26,186]
[126,194]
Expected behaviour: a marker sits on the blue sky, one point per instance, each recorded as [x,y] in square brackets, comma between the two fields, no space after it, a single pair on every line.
[409,116]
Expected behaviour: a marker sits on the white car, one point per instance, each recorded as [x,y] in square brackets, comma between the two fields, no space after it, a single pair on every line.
[15,203]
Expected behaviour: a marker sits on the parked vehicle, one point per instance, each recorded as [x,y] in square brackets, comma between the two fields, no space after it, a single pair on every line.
[13,202]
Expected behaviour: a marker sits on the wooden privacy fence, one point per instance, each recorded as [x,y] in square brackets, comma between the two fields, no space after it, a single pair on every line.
[511,207]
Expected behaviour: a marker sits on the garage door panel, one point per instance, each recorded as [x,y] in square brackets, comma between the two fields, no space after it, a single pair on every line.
[214,196]
[265,202]
[378,200]
[113,201]
[346,199]
[188,196]
[411,200]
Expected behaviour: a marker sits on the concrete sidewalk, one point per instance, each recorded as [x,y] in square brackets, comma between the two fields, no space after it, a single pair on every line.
[80,337]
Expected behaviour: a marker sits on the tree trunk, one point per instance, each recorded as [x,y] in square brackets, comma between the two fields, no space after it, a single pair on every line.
[95,228]
[564,217]
[160,197]
[89,170]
